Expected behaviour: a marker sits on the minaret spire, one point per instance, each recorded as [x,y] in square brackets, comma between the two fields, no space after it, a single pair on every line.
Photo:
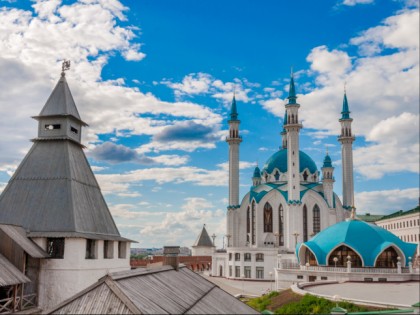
[234,140]
[346,139]
[292,128]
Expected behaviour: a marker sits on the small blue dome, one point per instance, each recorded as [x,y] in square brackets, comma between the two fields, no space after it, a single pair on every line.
[327,161]
[279,160]
[367,239]
[257,172]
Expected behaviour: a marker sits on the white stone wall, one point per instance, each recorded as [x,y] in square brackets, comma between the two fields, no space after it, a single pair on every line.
[348,183]
[60,279]
[406,227]
[202,251]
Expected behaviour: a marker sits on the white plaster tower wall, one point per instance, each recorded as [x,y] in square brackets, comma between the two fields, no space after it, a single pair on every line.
[328,180]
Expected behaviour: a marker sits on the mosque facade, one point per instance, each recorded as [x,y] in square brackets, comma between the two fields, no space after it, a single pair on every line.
[289,202]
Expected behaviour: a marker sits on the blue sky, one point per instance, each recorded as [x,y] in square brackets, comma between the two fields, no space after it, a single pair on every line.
[154,80]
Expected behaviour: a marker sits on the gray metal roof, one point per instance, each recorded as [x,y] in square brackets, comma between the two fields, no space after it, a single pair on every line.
[54,190]
[203,239]
[155,291]
[60,102]
[9,274]
[18,234]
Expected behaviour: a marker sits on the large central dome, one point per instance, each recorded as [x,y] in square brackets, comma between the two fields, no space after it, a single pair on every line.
[279,160]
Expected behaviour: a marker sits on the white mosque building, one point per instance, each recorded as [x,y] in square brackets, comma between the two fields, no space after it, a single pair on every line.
[289,201]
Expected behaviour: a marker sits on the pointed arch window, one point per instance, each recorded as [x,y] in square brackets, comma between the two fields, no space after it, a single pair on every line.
[248,223]
[341,253]
[387,259]
[316,219]
[305,223]
[281,225]
[305,176]
[253,223]
[277,175]
[268,218]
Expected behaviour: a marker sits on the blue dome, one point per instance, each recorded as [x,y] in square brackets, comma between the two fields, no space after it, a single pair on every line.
[367,239]
[279,160]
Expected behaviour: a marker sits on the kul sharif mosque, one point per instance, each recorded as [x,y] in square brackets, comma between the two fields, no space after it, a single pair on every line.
[290,202]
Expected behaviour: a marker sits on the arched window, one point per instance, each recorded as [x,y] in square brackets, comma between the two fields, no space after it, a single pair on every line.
[248,223]
[341,253]
[253,222]
[317,219]
[387,259]
[281,225]
[305,223]
[310,258]
[268,218]
[305,176]
[277,175]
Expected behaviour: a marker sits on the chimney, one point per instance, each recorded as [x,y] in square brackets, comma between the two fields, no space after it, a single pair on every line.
[170,256]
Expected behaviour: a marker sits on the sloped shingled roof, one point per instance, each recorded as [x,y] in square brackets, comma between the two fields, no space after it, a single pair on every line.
[9,274]
[153,291]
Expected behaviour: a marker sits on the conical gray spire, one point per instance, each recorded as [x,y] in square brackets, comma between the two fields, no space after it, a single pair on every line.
[60,102]
[203,239]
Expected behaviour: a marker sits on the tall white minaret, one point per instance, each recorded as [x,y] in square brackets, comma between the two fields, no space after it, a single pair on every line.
[346,139]
[284,133]
[234,139]
[293,127]
[328,180]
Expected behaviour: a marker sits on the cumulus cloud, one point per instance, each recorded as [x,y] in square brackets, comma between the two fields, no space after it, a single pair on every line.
[386,201]
[355,2]
[182,226]
[185,131]
[206,84]
[32,45]
[382,91]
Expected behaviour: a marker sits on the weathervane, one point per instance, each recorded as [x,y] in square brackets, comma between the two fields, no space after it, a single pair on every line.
[65,66]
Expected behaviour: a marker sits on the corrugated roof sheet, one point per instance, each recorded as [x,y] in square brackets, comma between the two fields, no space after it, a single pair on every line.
[9,274]
[203,239]
[55,190]
[18,234]
[158,291]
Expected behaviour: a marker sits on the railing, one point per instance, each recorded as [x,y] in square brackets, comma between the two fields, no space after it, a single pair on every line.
[7,305]
[294,266]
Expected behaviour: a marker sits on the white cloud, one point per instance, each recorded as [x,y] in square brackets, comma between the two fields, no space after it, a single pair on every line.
[32,45]
[182,227]
[382,91]
[355,2]
[386,201]
[396,147]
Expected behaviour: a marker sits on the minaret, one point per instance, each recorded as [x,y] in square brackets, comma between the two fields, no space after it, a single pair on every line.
[292,129]
[346,139]
[256,178]
[328,180]
[284,133]
[234,139]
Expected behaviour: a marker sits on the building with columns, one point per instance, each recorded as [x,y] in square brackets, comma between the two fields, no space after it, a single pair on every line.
[289,201]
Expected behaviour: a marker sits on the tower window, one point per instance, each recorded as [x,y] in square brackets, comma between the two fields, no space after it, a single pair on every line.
[108,249]
[74,130]
[55,247]
[90,249]
[122,249]
[305,223]
[52,126]
[316,219]
[305,176]
[277,175]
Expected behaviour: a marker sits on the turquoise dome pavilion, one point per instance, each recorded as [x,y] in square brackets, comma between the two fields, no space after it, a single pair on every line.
[367,244]
[279,160]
